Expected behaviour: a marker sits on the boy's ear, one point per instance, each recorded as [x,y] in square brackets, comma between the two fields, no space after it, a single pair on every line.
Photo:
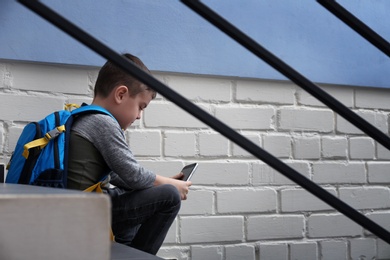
[120,93]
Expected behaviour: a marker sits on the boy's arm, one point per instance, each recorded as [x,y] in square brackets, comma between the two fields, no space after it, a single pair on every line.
[118,181]
[107,136]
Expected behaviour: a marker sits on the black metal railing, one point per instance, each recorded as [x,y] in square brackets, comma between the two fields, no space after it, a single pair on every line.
[357,25]
[287,71]
[219,126]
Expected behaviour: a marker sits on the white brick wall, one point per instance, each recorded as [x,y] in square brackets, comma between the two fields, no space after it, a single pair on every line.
[275,227]
[239,207]
[332,225]
[298,200]
[273,251]
[304,251]
[332,249]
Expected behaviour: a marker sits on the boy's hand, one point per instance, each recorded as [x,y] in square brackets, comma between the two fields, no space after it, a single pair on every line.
[178,176]
[181,186]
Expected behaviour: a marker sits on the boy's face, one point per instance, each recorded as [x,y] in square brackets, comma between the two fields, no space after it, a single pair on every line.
[131,108]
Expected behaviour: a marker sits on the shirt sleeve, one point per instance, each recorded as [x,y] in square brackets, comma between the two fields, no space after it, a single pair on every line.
[107,136]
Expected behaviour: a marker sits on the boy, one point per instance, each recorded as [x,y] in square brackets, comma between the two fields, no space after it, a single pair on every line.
[144,204]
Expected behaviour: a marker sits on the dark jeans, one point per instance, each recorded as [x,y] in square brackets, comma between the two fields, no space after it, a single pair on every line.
[142,218]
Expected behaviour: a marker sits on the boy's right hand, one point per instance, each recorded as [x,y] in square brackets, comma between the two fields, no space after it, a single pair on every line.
[181,186]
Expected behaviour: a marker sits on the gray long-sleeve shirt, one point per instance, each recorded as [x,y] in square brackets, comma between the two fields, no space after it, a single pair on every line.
[104,135]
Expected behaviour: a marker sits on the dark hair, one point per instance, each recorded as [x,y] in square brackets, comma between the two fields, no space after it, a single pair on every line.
[110,76]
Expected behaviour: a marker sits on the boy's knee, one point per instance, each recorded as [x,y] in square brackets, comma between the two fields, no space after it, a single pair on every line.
[172,192]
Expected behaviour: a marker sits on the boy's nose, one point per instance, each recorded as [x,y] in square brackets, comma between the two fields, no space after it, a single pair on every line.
[139,115]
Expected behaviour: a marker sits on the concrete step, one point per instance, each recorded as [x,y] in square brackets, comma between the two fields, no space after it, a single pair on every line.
[46,223]
[43,223]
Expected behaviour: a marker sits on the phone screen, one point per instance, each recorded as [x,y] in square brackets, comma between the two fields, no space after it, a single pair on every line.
[188,170]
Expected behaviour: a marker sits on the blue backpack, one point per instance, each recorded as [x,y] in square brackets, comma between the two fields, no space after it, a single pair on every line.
[41,153]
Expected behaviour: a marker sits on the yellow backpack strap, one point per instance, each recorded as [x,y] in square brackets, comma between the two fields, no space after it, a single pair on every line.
[95,188]
[71,106]
[98,188]
[42,142]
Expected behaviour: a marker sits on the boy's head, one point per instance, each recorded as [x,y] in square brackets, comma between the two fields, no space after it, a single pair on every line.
[122,94]
[111,76]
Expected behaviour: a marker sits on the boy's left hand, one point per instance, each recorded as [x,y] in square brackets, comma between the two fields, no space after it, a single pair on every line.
[178,176]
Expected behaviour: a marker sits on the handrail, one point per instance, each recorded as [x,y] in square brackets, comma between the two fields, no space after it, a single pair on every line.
[357,25]
[203,116]
[287,71]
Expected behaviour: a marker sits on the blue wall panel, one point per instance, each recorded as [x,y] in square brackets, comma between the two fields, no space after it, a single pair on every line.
[170,37]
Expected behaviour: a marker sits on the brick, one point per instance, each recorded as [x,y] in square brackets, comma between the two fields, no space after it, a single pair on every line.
[251,118]
[302,251]
[172,234]
[199,202]
[273,251]
[382,152]
[13,137]
[331,225]
[342,94]
[164,77]
[361,148]
[145,143]
[240,200]
[240,152]
[378,172]
[179,144]
[213,144]
[306,147]
[265,175]
[334,147]
[383,249]
[92,76]
[211,229]
[206,252]
[234,252]
[231,173]
[329,172]
[367,98]
[296,200]
[159,114]
[275,227]
[265,92]
[363,248]
[292,119]
[381,218]
[49,78]
[170,252]
[207,88]
[366,197]
[278,145]
[377,119]
[29,108]
[3,72]
[334,249]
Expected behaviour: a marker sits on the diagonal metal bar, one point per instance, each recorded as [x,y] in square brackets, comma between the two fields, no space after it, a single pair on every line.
[203,116]
[301,81]
[287,71]
[357,25]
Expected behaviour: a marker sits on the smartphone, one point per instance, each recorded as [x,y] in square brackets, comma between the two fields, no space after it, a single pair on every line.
[188,170]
